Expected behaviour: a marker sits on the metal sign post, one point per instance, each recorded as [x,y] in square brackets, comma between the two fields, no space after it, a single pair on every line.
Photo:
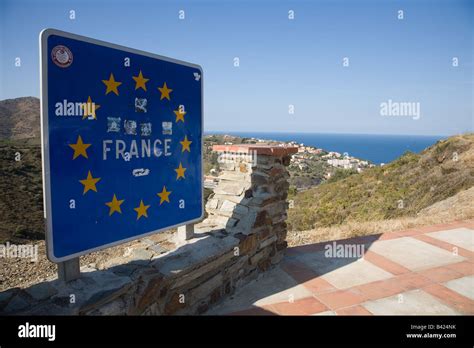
[69,270]
[185,232]
[122,145]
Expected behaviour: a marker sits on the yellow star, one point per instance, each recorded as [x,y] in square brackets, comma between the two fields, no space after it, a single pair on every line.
[89,183]
[141,210]
[185,143]
[140,81]
[111,85]
[180,171]
[164,195]
[89,108]
[179,114]
[79,148]
[114,205]
[165,91]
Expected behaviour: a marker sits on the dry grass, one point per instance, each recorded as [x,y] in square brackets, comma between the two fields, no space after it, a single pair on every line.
[416,180]
[457,208]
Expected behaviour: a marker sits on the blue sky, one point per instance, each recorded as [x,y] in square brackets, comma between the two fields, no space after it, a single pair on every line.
[282,61]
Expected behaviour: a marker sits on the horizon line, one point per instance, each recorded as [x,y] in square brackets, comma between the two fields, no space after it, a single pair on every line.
[335,133]
[303,132]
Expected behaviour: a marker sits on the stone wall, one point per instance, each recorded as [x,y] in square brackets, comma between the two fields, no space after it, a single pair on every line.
[243,235]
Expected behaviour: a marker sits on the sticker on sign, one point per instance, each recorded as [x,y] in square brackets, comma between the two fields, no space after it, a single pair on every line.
[121,140]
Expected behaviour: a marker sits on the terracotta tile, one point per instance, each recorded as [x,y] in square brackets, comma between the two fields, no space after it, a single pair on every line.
[305,306]
[438,227]
[298,271]
[412,281]
[388,236]
[384,263]
[392,286]
[380,289]
[446,246]
[318,285]
[459,224]
[354,310]
[340,299]
[468,224]
[441,274]
[466,267]
[466,253]
[433,241]
[410,232]
[451,298]
[426,229]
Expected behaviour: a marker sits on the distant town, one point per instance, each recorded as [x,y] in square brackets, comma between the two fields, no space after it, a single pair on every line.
[332,158]
[309,167]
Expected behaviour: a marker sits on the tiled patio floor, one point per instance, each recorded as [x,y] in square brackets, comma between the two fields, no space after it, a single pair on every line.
[428,270]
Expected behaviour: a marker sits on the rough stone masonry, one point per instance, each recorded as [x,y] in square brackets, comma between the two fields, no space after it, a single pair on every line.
[244,234]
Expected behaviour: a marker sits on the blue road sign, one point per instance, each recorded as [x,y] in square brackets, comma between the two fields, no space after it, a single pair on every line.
[122,143]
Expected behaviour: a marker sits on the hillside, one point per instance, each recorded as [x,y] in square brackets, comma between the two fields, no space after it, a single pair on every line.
[400,189]
[456,208]
[20,118]
[21,203]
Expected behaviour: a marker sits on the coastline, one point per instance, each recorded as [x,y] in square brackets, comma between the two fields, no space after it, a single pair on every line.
[375,148]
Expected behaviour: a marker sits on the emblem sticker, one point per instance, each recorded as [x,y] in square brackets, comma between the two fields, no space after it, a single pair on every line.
[145,129]
[167,128]
[140,104]
[113,124]
[140,172]
[130,127]
[61,56]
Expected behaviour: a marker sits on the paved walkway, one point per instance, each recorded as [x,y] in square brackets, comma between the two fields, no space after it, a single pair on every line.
[428,270]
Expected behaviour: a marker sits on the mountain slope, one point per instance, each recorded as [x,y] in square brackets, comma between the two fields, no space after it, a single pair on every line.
[402,188]
[20,118]
[21,203]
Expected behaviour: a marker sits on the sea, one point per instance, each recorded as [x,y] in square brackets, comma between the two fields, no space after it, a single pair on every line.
[377,149]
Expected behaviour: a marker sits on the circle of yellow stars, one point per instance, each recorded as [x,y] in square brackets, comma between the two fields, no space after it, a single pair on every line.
[80,147]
